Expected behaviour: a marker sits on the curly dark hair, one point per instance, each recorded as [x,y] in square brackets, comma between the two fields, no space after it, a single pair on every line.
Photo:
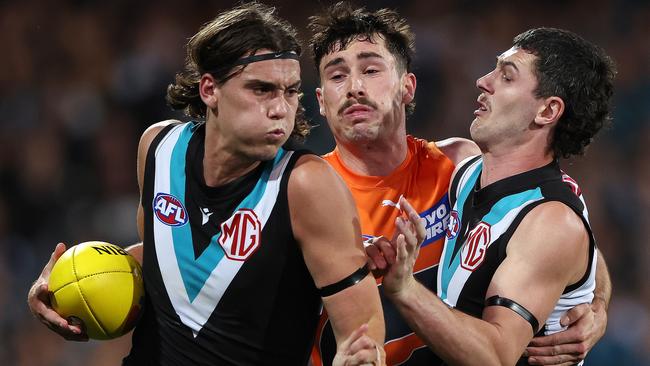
[341,24]
[579,72]
[233,34]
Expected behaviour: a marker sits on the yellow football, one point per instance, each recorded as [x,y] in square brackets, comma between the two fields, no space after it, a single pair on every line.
[100,284]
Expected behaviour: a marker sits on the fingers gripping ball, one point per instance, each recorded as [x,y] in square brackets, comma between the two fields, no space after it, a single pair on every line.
[101,284]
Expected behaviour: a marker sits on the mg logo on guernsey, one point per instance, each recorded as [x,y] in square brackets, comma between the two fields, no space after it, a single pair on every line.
[240,234]
[169,210]
[473,251]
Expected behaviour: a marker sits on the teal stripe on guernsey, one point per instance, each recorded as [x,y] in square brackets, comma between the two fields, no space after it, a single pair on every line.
[508,203]
[450,264]
[195,272]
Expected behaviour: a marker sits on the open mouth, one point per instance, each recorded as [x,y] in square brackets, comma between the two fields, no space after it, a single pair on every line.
[481,106]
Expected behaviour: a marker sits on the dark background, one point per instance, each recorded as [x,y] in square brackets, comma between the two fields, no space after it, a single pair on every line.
[81,80]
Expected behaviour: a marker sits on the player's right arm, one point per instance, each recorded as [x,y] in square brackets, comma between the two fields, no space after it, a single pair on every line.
[38,297]
[326,226]
[38,300]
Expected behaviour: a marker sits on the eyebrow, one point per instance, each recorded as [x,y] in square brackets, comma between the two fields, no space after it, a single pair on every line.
[360,56]
[501,63]
[364,55]
[334,62]
[269,85]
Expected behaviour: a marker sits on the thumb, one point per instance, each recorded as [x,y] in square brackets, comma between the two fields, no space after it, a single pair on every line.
[574,314]
[56,254]
[357,333]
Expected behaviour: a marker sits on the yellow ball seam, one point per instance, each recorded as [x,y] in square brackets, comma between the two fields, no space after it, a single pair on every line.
[83,297]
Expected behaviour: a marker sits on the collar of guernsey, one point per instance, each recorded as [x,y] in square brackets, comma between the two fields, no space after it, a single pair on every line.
[370,181]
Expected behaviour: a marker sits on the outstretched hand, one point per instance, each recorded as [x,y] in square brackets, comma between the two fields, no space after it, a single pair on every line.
[586,325]
[409,235]
[359,349]
[38,300]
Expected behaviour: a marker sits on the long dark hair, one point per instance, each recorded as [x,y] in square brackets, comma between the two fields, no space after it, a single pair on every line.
[233,34]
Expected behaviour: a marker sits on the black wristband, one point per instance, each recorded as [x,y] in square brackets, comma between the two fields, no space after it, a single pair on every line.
[348,281]
[497,300]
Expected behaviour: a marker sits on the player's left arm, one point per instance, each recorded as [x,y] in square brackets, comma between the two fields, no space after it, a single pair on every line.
[326,225]
[540,263]
[586,322]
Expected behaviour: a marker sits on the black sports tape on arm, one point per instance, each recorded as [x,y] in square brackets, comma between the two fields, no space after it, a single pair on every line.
[348,281]
[497,300]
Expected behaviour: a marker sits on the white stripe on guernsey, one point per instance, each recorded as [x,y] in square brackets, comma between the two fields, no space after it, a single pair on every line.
[460,276]
[585,213]
[468,174]
[581,295]
[162,233]
[196,313]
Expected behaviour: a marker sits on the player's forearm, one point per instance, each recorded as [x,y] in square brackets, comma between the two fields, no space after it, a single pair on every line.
[354,306]
[603,291]
[136,251]
[455,337]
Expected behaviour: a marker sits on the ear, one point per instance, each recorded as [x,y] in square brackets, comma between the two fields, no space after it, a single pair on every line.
[209,91]
[321,105]
[408,87]
[550,112]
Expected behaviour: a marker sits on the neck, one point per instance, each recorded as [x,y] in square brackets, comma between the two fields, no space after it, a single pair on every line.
[497,166]
[220,164]
[377,158]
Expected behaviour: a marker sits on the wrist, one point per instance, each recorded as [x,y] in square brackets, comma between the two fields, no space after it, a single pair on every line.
[599,304]
[599,307]
[402,292]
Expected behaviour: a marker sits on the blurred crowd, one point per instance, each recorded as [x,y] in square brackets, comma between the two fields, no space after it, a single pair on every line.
[80,80]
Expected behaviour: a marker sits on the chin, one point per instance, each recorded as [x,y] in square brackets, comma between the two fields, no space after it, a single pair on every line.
[363,134]
[266,153]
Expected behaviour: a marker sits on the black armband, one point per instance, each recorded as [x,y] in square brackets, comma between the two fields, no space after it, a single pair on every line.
[348,281]
[497,300]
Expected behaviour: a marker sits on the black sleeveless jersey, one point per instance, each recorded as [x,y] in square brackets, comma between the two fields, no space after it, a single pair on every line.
[225,280]
[482,222]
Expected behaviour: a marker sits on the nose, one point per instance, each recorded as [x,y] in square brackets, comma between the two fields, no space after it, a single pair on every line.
[279,107]
[484,83]
[357,89]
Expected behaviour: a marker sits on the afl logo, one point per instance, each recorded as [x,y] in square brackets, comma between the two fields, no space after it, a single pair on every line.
[240,234]
[454,225]
[169,210]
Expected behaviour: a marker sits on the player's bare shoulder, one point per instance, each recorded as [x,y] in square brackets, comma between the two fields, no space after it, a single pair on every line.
[145,141]
[313,175]
[458,149]
[152,131]
[316,188]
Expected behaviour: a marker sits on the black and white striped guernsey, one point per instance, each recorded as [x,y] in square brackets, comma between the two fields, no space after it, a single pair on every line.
[225,280]
[483,221]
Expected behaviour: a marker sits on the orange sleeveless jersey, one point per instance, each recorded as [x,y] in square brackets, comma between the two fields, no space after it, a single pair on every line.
[423,179]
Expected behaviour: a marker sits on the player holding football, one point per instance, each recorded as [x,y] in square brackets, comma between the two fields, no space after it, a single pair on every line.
[256,235]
